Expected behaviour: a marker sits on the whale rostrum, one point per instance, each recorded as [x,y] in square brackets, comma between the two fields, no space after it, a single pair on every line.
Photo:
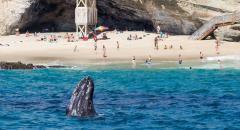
[81,103]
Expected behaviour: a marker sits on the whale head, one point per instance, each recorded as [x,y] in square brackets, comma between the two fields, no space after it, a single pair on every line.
[81,103]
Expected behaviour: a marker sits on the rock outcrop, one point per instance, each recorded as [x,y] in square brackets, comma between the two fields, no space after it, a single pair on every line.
[229,33]
[174,16]
[18,65]
[21,66]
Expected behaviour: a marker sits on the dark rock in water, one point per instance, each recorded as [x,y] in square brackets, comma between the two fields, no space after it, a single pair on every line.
[57,66]
[81,103]
[18,65]
[39,67]
[15,65]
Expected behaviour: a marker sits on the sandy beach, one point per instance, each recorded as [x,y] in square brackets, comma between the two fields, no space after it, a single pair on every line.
[30,50]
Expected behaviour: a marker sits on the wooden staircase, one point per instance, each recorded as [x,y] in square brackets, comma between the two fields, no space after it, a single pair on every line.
[213,24]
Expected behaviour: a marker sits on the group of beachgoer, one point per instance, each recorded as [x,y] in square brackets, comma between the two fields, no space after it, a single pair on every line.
[156,45]
[69,37]
[147,61]
[135,37]
[161,33]
[160,37]
[217,47]
[104,50]
[53,38]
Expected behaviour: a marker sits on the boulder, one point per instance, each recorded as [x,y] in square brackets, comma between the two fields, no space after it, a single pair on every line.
[18,65]
[229,33]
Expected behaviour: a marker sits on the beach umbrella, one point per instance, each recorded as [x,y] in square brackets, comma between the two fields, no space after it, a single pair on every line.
[101,28]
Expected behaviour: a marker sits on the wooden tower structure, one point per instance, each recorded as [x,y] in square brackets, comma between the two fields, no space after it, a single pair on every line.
[85,16]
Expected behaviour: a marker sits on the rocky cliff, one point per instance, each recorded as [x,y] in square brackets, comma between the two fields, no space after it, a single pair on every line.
[174,16]
[229,33]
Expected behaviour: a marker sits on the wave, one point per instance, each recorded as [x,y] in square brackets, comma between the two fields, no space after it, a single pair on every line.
[227,62]
[224,58]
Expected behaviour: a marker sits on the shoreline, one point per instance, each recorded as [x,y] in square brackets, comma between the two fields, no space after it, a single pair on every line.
[227,62]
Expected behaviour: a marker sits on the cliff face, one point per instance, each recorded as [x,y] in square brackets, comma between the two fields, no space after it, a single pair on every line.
[174,16]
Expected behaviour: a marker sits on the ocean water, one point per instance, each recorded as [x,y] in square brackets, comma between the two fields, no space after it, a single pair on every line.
[125,99]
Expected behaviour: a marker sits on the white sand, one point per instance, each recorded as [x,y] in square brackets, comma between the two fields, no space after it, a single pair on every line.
[38,52]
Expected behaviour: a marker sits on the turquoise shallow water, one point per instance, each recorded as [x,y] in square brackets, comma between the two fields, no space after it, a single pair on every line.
[125,99]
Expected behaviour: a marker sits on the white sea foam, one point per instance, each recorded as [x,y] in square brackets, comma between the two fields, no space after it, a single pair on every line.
[224,58]
[227,62]
[222,65]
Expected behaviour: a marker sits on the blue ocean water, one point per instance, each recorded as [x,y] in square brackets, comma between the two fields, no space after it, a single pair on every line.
[125,99]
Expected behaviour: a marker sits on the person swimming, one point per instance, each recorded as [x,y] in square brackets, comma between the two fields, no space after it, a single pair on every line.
[134,60]
[146,61]
[149,59]
[220,64]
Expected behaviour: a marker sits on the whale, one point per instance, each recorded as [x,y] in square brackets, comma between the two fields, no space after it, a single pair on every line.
[81,102]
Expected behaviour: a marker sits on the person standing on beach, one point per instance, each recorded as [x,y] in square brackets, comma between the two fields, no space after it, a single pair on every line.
[181,48]
[17,31]
[118,46]
[201,56]
[165,47]
[95,45]
[180,59]
[166,35]
[95,37]
[27,34]
[161,35]
[156,42]
[158,29]
[75,49]
[104,51]
[218,41]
